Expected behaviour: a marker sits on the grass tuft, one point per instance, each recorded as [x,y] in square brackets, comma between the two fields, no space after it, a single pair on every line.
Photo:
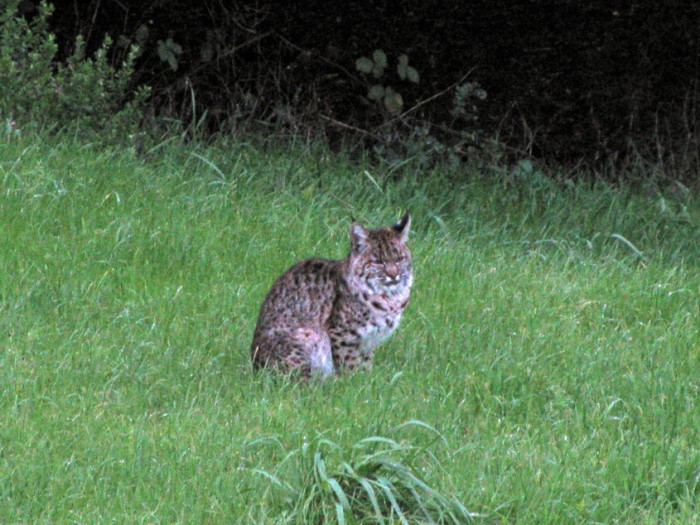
[376,480]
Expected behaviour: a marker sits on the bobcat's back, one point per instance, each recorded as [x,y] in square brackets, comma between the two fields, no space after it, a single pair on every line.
[322,316]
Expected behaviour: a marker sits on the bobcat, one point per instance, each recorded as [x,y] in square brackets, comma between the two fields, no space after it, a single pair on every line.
[324,316]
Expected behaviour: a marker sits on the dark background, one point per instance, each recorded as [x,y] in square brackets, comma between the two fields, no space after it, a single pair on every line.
[600,83]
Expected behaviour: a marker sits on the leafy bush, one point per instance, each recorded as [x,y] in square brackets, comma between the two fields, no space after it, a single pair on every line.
[411,139]
[84,92]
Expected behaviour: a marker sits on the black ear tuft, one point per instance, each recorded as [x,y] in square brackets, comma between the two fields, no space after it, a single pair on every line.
[403,226]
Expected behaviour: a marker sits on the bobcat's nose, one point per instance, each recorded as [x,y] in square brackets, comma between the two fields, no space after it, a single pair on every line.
[391,270]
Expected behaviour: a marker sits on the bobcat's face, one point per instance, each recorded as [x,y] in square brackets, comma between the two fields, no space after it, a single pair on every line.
[380,261]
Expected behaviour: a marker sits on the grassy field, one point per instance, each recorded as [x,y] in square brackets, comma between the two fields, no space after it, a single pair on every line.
[547,370]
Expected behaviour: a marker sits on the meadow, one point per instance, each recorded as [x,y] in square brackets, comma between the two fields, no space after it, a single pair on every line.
[547,370]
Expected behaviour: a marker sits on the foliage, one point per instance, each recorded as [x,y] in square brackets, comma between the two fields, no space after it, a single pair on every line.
[85,93]
[391,99]
[462,139]
[606,84]
[403,139]
[464,103]
[168,51]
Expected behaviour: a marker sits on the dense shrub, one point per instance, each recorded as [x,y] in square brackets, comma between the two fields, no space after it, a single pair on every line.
[85,93]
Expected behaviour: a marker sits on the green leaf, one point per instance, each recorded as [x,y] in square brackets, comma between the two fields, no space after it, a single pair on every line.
[403,60]
[412,74]
[376,92]
[393,102]
[167,52]
[364,65]
[377,70]
[401,70]
[172,62]
[163,51]
[379,57]
[176,48]
[142,34]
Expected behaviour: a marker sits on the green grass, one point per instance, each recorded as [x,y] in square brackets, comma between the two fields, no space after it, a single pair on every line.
[551,349]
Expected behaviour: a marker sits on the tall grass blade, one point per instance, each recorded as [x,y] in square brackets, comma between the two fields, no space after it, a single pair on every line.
[367,486]
[339,493]
[631,246]
[388,488]
[273,478]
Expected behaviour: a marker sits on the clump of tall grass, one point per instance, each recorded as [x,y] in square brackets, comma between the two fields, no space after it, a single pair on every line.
[376,480]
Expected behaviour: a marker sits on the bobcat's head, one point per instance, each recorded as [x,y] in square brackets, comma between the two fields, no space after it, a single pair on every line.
[379,260]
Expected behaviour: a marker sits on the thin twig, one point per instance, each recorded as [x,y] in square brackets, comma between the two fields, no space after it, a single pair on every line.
[232,51]
[424,102]
[352,128]
[321,57]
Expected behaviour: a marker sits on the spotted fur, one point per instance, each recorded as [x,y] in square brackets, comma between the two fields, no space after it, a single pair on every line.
[325,316]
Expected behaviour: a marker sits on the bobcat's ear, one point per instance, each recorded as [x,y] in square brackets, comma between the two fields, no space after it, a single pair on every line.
[358,237]
[403,226]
